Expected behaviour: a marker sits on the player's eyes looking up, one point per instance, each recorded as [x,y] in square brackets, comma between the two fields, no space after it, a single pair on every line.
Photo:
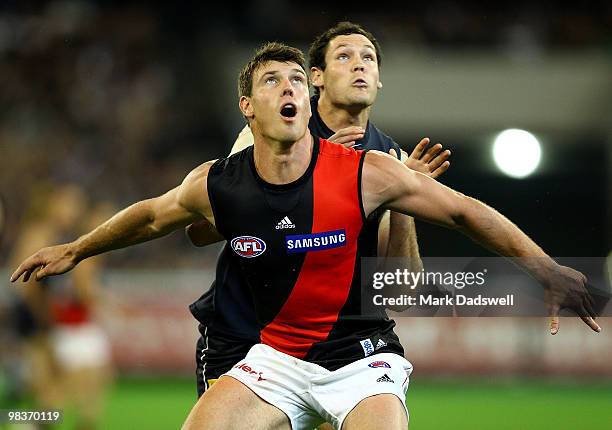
[342,57]
[273,79]
[368,56]
[298,79]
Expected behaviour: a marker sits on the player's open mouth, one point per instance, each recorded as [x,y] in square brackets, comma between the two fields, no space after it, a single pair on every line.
[361,83]
[288,110]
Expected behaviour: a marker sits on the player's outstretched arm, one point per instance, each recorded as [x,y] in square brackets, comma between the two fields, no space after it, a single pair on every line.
[140,222]
[389,184]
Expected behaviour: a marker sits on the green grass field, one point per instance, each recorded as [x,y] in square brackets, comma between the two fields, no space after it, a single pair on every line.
[446,404]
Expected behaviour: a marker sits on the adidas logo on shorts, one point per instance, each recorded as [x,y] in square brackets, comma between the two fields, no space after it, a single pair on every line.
[285,223]
[385,378]
[380,344]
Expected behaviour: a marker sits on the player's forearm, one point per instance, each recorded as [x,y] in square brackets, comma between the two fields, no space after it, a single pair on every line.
[402,244]
[495,232]
[403,240]
[135,224]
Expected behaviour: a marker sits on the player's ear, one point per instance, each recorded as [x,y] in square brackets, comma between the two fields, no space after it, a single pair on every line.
[246,107]
[316,77]
[379,85]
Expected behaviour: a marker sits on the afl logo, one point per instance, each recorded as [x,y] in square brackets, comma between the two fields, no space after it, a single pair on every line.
[248,246]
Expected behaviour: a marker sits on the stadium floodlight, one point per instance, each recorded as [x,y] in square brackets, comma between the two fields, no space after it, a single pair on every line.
[516,152]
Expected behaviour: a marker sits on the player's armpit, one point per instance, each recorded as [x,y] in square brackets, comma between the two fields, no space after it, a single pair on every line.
[203,233]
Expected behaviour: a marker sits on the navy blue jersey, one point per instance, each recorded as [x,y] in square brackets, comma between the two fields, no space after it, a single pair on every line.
[227,308]
[372,139]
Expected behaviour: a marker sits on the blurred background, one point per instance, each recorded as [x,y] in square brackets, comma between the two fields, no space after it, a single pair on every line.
[103,103]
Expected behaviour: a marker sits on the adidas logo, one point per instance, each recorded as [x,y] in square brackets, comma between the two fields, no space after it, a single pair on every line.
[380,344]
[385,378]
[285,223]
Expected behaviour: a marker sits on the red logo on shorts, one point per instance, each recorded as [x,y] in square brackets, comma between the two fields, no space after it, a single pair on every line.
[379,364]
[245,368]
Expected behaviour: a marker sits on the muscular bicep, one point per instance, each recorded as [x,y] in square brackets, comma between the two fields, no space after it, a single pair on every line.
[184,204]
[424,198]
[388,184]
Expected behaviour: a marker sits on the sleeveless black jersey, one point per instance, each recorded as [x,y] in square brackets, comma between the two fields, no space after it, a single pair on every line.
[373,138]
[299,248]
[227,308]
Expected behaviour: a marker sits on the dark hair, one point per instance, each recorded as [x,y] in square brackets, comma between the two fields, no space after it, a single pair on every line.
[271,51]
[317,50]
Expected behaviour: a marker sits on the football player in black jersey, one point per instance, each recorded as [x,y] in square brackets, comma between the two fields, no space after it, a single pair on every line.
[344,64]
[275,100]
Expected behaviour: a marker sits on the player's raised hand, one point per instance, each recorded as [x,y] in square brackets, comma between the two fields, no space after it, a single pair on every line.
[566,289]
[432,162]
[53,260]
[347,136]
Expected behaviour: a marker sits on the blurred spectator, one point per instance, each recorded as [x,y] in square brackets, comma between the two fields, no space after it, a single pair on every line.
[65,355]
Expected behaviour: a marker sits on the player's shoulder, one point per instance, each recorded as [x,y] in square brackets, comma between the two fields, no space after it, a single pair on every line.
[230,162]
[375,157]
[380,164]
[198,177]
[202,170]
[189,194]
[379,140]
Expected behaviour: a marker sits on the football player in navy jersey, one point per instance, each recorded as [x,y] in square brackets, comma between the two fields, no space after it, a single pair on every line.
[344,65]
[307,368]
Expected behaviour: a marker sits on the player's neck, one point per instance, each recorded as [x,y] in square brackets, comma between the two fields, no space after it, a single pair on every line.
[337,117]
[281,163]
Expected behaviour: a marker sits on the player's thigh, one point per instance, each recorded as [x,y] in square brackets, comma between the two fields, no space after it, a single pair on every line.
[88,387]
[230,405]
[383,411]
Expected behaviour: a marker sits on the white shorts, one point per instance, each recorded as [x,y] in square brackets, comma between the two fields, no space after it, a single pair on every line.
[310,394]
[81,346]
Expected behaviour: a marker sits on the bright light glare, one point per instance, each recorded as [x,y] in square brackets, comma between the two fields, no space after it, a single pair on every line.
[517,152]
